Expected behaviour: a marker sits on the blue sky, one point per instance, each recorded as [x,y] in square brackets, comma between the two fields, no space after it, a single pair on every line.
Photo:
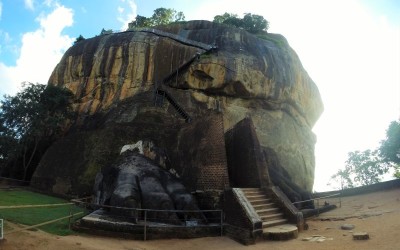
[88,18]
[350,48]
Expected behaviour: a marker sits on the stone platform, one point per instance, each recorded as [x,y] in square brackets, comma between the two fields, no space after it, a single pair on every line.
[281,232]
[100,222]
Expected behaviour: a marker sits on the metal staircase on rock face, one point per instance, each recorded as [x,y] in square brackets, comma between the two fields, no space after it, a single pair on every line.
[160,93]
[274,224]
[159,97]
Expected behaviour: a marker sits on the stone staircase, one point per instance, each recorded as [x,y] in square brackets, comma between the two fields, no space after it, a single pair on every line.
[274,224]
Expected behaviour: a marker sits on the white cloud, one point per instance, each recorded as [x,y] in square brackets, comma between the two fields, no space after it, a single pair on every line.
[48,3]
[40,52]
[5,36]
[128,16]
[1,9]
[29,4]
[6,40]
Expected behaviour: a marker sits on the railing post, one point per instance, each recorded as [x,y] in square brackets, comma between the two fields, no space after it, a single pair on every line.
[222,221]
[145,224]
[1,229]
[135,215]
[69,219]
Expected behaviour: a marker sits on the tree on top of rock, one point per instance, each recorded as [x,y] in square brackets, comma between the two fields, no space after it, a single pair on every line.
[161,16]
[78,39]
[229,19]
[250,22]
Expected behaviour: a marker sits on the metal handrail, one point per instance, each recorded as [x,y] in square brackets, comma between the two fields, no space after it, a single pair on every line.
[151,210]
[319,198]
[143,209]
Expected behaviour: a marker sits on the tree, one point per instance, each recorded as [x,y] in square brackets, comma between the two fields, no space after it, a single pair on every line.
[78,39]
[362,168]
[367,167]
[106,32]
[31,119]
[390,147]
[8,144]
[250,22]
[254,23]
[140,22]
[161,16]
[179,16]
[229,19]
[343,176]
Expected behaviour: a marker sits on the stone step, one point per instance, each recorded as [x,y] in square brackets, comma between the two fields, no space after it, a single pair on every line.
[256,197]
[271,216]
[263,206]
[250,189]
[281,232]
[271,210]
[259,201]
[272,223]
[253,192]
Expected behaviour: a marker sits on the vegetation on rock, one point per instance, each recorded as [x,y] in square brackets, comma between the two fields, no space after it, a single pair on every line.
[78,39]
[250,22]
[105,32]
[161,16]
[29,122]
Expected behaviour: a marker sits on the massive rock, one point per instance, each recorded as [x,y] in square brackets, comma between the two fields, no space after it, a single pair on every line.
[114,78]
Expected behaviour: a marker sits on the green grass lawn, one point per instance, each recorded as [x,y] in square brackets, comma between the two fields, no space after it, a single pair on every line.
[33,216]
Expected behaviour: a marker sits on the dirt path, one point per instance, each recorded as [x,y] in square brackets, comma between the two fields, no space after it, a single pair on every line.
[376,213]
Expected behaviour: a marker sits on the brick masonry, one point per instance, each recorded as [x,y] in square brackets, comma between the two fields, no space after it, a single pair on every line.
[203,164]
[238,225]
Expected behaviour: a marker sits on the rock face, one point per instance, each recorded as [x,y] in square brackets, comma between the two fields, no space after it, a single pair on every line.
[114,78]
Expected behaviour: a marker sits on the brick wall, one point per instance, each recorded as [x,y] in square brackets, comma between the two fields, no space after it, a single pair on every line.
[238,225]
[202,155]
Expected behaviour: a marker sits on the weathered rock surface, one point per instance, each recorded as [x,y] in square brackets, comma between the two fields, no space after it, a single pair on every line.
[114,76]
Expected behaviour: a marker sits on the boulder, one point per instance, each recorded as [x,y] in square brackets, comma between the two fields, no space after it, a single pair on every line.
[191,71]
